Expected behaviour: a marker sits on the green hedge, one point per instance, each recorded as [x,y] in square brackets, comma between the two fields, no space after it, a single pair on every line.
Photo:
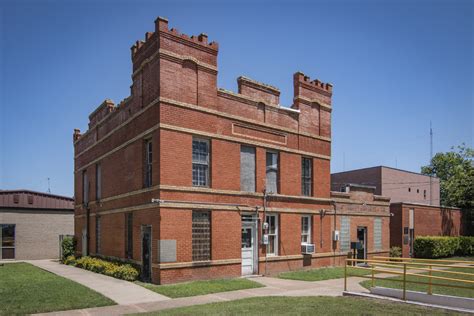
[116,270]
[443,246]
[68,246]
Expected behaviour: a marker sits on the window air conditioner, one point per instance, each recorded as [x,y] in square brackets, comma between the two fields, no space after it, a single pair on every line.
[307,248]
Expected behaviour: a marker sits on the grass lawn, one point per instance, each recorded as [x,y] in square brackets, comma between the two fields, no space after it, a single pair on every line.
[26,289]
[322,274]
[305,306]
[201,287]
[424,288]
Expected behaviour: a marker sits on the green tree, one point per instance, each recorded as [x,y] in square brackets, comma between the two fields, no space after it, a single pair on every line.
[455,169]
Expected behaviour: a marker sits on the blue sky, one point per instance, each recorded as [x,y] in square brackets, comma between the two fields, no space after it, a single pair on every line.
[395,65]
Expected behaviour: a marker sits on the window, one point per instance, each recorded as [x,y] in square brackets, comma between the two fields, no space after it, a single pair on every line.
[247,169]
[201,235]
[85,188]
[345,234]
[98,181]
[97,234]
[30,199]
[409,189]
[16,198]
[424,194]
[272,247]
[306,176]
[7,239]
[306,229]
[148,163]
[377,234]
[129,235]
[272,172]
[200,162]
[417,190]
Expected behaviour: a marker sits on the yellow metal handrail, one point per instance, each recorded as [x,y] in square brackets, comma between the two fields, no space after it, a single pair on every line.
[422,260]
[377,266]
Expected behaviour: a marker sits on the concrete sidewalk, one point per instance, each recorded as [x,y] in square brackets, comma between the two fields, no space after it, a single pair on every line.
[121,292]
[273,287]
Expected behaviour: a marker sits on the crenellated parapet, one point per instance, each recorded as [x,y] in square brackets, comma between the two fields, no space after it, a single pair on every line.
[160,40]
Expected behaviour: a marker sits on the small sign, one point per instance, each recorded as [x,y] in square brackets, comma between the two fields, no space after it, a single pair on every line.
[265,239]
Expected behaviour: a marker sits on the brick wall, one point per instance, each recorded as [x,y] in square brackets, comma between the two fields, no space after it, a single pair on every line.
[37,232]
[174,97]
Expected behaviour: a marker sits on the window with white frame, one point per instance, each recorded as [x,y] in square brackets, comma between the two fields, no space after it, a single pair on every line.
[306,229]
[200,162]
[272,247]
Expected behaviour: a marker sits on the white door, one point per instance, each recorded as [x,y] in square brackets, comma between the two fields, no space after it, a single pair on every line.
[248,244]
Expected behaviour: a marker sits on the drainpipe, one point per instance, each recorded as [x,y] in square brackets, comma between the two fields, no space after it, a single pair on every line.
[334,229]
[264,218]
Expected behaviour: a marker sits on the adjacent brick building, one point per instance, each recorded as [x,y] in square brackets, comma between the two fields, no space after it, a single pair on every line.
[411,220]
[31,224]
[399,185]
[191,181]
[415,203]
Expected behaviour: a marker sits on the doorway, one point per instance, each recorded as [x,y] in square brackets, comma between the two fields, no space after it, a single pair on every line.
[362,239]
[146,253]
[249,245]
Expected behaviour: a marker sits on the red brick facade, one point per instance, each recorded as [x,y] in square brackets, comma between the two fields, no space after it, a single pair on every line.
[174,97]
[427,221]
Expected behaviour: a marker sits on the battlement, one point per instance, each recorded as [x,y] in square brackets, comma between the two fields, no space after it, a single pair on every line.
[101,112]
[257,90]
[161,28]
[301,78]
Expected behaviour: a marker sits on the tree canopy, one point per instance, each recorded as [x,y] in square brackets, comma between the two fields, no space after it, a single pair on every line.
[455,169]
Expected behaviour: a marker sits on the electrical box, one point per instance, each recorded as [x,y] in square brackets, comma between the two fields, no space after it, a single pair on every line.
[265,239]
[335,235]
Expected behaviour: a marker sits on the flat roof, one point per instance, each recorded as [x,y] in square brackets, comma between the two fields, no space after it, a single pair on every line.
[380,167]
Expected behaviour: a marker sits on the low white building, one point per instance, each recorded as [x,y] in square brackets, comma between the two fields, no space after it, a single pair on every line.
[31,224]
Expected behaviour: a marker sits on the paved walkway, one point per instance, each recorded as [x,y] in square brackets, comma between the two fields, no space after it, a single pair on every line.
[273,287]
[121,292]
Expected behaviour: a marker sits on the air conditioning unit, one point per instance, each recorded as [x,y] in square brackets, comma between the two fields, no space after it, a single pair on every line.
[307,248]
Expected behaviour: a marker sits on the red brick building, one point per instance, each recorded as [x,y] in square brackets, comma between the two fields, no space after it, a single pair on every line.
[411,220]
[191,181]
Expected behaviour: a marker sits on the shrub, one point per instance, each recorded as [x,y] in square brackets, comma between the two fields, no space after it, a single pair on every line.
[113,269]
[71,261]
[395,252]
[435,246]
[68,246]
[466,246]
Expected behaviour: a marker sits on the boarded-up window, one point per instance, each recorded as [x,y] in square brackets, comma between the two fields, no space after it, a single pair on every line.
[345,234]
[377,234]
[247,169]
[272,172]
[201,235]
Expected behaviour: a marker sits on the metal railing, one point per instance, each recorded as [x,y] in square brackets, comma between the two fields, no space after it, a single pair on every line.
[408,267]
